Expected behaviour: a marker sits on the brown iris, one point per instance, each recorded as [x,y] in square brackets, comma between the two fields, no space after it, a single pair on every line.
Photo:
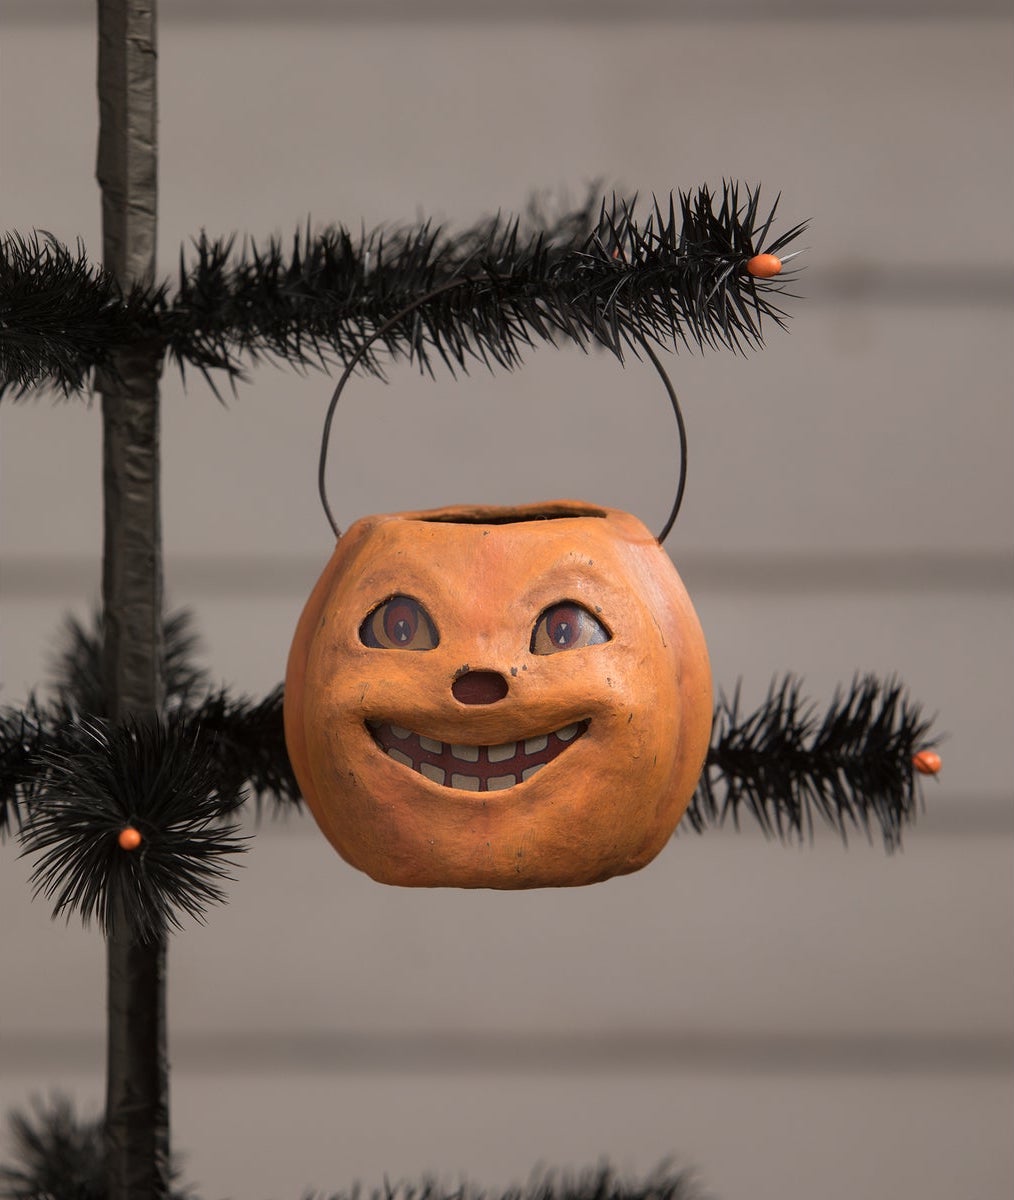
[400,623]
[567,626]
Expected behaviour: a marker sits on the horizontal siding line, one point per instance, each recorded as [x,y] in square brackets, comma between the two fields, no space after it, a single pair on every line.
[942,815]
[908,284]
[375,12]
[613,1052]
[850,571]
[38,577]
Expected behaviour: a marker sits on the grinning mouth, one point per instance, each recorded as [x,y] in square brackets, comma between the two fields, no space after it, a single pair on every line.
[473,768]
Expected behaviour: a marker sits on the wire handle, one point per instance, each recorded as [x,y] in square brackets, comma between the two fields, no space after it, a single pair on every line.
[389,324]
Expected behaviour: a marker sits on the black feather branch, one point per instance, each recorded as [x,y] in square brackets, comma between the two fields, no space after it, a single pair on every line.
[241,743]
[23,734]
[75,672]
[245,741]
[243,738]
[58,1155]
[94,781]
[71,781]
[789,766]
[601,1183]
[62,318]
[594,275]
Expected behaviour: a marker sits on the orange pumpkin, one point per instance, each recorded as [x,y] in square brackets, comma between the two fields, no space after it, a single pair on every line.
[498,697]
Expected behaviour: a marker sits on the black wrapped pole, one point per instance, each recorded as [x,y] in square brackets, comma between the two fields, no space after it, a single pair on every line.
[137,1098]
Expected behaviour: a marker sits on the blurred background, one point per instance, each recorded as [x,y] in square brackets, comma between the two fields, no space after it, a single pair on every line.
[794,1022]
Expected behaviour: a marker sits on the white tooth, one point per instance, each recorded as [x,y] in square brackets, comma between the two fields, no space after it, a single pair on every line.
[535,744]
[468,783]
[501,753]
[567,732]
[466,753]
[431,744]
[432,772]
[531,771]
[499,782]
[401,733]
[402,758]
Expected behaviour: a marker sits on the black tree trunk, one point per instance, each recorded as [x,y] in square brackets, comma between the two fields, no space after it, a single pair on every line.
[137,1099]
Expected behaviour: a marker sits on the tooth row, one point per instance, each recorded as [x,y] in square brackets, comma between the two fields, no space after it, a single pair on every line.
[465,753]
[532,745]
[501,753]
[466,783]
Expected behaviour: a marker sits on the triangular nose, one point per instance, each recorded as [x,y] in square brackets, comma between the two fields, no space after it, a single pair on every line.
[479,687]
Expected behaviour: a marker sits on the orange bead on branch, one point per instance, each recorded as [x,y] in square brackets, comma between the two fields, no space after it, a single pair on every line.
[927,762]
[129,838]
[764,266]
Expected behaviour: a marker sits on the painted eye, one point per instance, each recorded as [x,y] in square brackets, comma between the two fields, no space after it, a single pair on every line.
[566,626]
[400,623]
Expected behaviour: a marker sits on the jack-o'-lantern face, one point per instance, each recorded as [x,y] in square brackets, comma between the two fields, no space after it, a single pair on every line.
[498,697]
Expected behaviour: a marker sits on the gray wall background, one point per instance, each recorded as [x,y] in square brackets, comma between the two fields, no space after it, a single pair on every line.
[795,1022]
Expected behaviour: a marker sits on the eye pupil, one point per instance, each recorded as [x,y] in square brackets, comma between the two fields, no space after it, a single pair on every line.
[401,620]
[564,626]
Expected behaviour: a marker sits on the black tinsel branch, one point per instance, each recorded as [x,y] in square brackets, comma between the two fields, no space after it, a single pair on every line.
[242,741]
[23,734]
[594,275]
[63,317]
[72,782]
[245,741]
[600,1183]
[76,683]
[58,1155]
[788,765]
[69,784]
[76,668]
[95,780]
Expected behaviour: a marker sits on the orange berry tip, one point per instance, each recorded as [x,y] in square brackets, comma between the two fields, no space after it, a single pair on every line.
[763,266]
[927,762]
[130,838]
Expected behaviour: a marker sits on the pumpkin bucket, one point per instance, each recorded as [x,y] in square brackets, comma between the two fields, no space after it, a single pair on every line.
[501,697]
[498,697]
